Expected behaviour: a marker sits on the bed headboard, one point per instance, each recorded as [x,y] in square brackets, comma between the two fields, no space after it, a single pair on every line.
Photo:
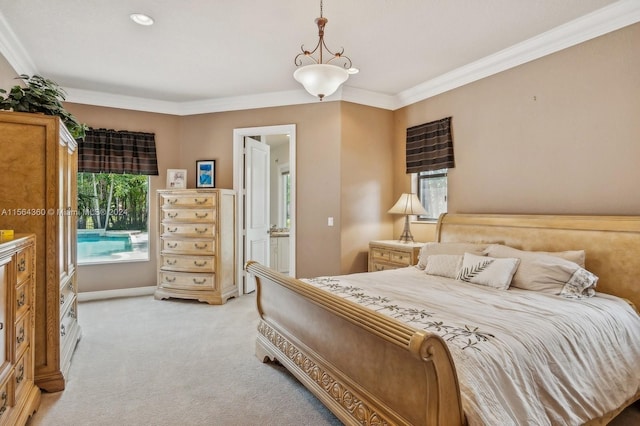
[611,243]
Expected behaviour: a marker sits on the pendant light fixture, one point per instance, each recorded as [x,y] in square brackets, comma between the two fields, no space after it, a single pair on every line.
[321,78]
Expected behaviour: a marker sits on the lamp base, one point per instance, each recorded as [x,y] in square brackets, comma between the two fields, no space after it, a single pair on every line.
[406,236]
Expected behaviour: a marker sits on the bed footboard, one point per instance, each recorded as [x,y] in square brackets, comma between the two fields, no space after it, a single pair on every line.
[366,368]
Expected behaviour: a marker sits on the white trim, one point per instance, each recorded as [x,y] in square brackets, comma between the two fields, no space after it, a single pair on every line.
[238,170]
[86,296]
[602,21]
[607,19]
[13,50]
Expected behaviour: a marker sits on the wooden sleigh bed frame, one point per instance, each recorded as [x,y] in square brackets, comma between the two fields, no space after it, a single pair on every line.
[371,369]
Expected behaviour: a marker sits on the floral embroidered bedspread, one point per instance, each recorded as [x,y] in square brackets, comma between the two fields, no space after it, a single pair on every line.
[522,357]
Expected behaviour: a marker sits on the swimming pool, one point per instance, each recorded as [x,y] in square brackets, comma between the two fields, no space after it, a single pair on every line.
[97,247]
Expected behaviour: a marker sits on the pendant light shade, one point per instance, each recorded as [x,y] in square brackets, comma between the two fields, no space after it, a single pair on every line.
[321,79]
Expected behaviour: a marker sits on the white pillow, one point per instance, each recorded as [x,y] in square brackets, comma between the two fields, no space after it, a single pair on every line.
[549,272]
[444,265]
[488,271]
[430,249]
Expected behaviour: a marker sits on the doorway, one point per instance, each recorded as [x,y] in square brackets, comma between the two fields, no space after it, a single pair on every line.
[275,136]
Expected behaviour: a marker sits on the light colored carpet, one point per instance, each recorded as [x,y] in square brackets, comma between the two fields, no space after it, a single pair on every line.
[172,362]
[163,363]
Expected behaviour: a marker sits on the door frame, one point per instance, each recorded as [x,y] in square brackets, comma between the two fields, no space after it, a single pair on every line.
[238,176]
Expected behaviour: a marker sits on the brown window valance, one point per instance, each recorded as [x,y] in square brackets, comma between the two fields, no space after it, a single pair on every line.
[118,151]
[430,146]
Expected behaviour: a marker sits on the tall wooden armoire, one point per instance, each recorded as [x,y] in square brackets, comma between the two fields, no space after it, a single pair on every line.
[38,194]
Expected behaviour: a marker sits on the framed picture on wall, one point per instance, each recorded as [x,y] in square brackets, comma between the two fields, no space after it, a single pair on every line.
[176,178]
[206,174]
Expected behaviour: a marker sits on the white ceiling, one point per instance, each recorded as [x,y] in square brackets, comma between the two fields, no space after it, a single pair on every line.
[205,55]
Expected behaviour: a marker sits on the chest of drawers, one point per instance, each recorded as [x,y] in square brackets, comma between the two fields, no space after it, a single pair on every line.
[196,247]
[19,396]
[391,254]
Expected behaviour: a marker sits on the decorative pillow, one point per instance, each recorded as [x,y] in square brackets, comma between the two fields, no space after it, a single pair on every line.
[548,272]
[488,271]
[429,249]
[444,265]
[500,250]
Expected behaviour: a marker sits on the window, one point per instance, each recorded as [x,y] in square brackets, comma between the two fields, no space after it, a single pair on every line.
[113,217]
[284,197]
[432,191]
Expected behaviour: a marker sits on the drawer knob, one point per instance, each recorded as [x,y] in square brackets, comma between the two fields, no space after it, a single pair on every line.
[201,216]
[63,330]
[20,337]
[170,279]
[201,247]
[200,263]
[172,246]
[62,299]
[22,266]
[172,230]
[172,201]
[20,376]
[172,215]
[21,299]
[199,281]
[171,261]
[201,231]
[198,201]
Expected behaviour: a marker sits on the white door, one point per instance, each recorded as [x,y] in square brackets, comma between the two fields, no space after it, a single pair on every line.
[256,177]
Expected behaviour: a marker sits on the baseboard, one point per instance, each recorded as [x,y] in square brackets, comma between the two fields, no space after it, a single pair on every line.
[110,294]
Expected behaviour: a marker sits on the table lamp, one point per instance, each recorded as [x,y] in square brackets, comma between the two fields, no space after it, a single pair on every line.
[407,204]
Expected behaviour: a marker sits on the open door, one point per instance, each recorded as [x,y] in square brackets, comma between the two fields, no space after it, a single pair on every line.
[257,223]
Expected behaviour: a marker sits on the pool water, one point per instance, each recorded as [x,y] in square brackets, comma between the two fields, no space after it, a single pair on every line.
[94,247]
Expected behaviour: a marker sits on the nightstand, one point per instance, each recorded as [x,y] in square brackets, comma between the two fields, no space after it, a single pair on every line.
[392,254]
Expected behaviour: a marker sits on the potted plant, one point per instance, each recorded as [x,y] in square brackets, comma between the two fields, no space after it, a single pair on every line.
[41,95]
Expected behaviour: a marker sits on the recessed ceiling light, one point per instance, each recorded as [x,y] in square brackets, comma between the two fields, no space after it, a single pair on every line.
[141,18]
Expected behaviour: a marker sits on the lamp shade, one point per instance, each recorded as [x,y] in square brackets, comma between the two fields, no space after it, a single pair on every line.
[321,79]
[408,204]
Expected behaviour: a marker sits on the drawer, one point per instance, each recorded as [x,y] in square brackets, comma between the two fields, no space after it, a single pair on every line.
[188,200]
[186,281]
[68,326]
[23,262]
[401,258]
[376,267]
[378,253]
[188,246]
[189,215]
[23,298]
[67,297]
[187,263]
[23,373]
[189,229]
[23,327]
[6,397]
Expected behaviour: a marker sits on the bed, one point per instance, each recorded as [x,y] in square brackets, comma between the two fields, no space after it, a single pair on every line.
[371,368]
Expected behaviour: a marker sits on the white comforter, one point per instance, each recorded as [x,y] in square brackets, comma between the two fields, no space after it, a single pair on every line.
[522,357]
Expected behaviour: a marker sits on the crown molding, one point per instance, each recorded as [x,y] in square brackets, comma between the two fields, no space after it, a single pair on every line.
[602,21]
[607,19]
[13,50]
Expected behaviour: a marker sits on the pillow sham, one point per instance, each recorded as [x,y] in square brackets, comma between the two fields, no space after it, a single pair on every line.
[430,249]
[549,272]
[444,265]
[488,271]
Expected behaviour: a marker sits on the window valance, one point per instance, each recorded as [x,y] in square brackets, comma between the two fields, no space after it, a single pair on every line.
[430,146]
[118,151]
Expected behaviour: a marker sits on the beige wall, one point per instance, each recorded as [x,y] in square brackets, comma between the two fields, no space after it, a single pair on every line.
[166,128]
[366,182]
[558,135]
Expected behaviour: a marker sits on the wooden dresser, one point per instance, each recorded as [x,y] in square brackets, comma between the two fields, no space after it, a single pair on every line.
[38,194]
[392,254]
[196,247]
[19,396]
